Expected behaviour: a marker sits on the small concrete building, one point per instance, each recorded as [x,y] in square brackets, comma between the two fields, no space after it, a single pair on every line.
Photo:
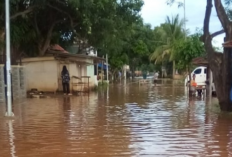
[44,73]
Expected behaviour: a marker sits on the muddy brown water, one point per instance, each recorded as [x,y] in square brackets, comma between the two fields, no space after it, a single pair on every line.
[121,121]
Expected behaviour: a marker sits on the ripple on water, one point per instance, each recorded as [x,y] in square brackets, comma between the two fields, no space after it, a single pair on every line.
[158,122]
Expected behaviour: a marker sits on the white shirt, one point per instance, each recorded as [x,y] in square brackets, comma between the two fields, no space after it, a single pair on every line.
[156,75]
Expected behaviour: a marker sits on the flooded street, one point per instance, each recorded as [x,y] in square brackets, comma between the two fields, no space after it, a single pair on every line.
[123,121]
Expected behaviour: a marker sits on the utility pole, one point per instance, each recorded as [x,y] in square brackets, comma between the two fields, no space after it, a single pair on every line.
[107,70]
[184,20]
[9,112]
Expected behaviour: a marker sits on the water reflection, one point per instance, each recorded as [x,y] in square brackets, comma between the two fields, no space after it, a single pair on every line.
[11,138]
[122,120]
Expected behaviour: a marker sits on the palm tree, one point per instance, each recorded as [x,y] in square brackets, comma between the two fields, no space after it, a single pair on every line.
[170,32]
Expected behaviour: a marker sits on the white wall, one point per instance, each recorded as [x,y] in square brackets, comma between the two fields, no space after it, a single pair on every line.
[44,73]
[73,71]
[90,72]
[41,75]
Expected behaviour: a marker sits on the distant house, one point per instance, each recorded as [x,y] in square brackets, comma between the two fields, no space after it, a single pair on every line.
[44,73]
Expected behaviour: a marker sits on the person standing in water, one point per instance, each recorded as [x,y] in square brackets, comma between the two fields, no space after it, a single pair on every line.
[193,82]
[156,75]
[65,80]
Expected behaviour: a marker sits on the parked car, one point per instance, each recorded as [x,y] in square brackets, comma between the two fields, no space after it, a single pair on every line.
[201,78]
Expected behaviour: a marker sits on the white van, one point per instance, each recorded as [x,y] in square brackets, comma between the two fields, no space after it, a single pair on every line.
[200,73]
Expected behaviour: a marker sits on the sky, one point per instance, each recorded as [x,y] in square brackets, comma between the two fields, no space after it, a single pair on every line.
[156,11]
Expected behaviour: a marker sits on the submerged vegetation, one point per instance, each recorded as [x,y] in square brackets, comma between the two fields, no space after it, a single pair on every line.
[101,86]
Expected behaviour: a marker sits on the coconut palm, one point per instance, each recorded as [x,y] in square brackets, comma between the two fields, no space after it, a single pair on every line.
[170,32]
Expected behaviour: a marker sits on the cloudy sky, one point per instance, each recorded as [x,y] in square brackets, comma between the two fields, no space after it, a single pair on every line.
[155,12]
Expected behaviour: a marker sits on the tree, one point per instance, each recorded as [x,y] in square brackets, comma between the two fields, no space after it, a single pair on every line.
[29,27]
[18,8]
[218,61]
[140,45]
[114,27]
[103,24]
[170,32]
[188,49]
[118,32]
[116,62]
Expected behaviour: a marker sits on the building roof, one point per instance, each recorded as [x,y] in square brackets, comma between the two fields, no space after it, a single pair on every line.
[57,51]
[61,54]
[57,47]
[200,61]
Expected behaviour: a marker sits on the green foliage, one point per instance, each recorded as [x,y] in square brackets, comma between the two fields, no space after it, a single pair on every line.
[171,2]
[102,86]
[140,48]
[117,60]
[152,67]
[140,44]
[188,49]
[103,24]
[114,27]
[168,34]
[144,68]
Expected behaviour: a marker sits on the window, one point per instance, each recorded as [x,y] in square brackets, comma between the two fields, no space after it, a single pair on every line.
[197,71]
[205,71]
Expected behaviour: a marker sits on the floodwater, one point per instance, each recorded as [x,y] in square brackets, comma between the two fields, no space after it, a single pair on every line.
[121,121]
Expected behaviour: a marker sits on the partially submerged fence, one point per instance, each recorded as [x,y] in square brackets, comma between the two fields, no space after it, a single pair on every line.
[18,82]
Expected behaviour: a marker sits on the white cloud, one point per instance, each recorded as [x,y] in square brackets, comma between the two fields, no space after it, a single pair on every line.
[155,12]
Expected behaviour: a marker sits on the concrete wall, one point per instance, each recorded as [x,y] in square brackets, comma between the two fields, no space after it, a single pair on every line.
[44,73]
[71,68]
[2,84]
[93,78]
[74,70]
[18,83]
[41,73]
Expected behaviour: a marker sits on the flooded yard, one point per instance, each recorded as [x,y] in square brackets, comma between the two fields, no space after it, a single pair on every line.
[121,121]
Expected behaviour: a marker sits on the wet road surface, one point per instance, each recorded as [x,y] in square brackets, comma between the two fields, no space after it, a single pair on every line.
[123,121]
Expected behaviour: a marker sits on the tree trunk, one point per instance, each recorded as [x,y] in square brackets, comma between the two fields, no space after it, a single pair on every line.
[133,72]
[225,101]
[219,64]
[113,75]
[173,69]
[45,42]
[43,47]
